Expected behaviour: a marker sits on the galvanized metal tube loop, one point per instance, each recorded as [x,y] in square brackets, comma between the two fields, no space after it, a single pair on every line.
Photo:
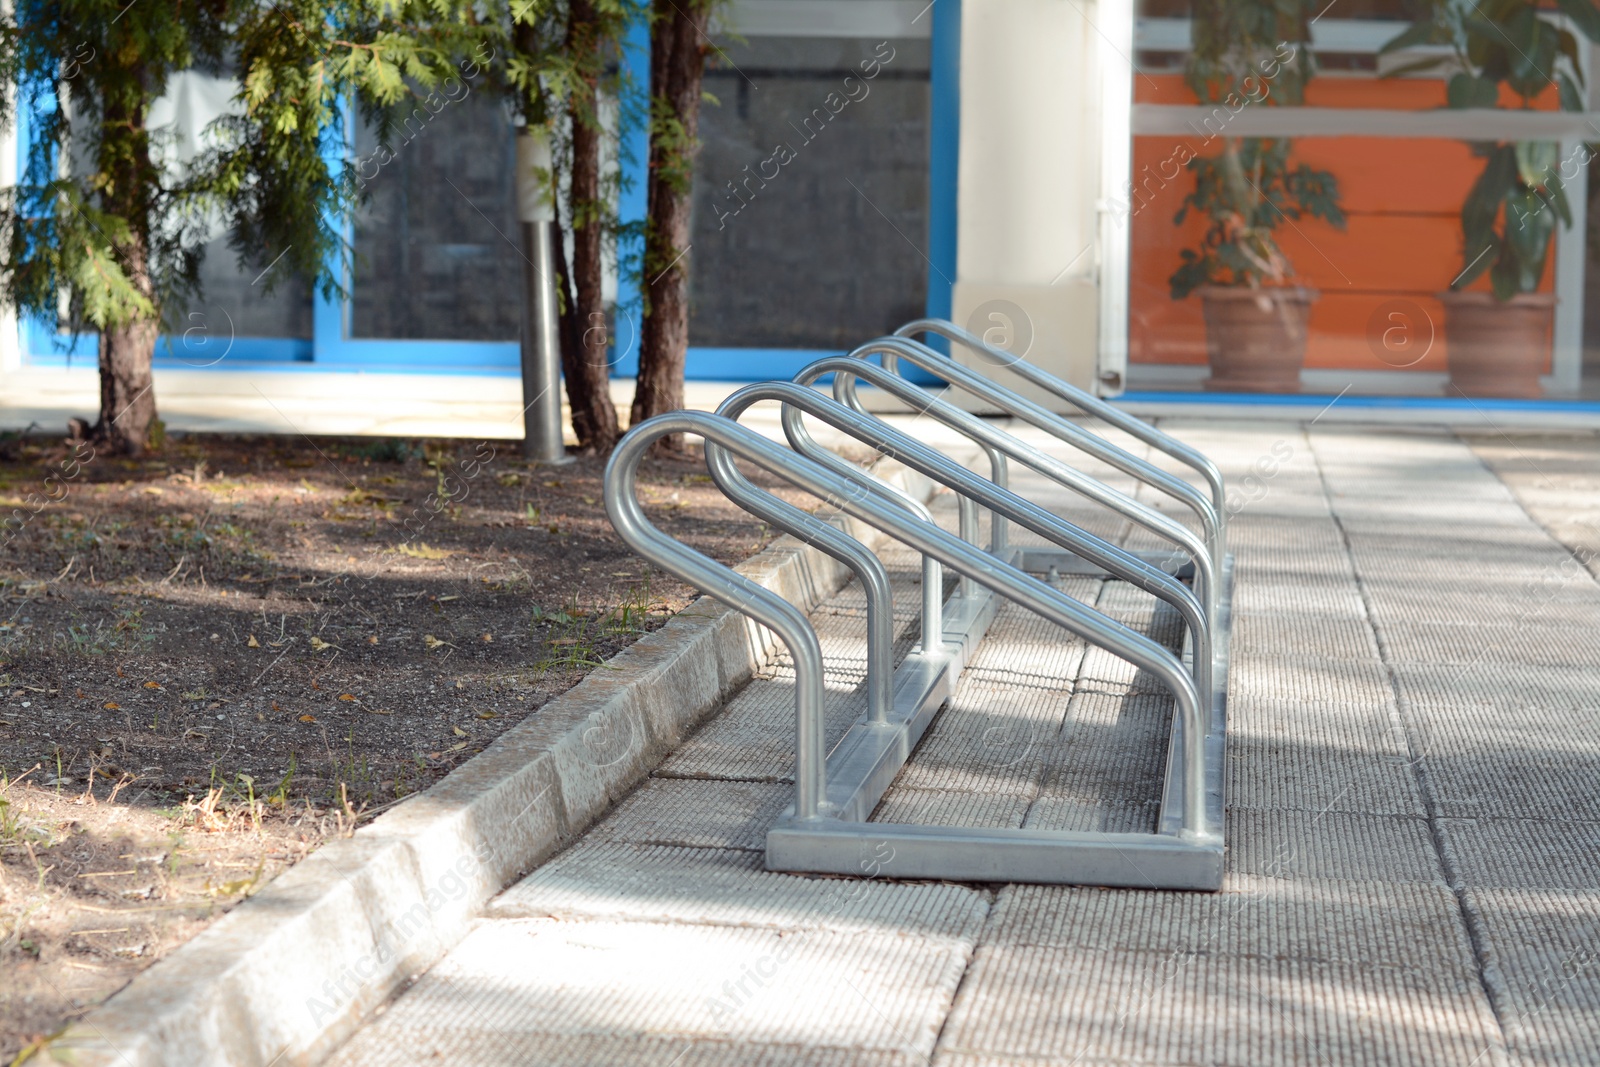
[893,349]
[825,537]
[967,526]
[925,537]
[847,370]
[998,474]
[921,458]
[932,571]
[1085,401]
[727,585]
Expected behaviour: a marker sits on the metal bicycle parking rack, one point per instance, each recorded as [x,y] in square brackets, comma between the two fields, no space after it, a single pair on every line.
[827,828]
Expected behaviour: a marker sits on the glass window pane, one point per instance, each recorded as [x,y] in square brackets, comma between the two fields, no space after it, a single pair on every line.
[239,295]
[1378,314]
[811,193]
[437,244]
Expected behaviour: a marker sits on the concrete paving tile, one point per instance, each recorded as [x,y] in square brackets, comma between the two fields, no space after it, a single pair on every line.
[723,887]
[1301,845]
[1506,611]
[1510,687]
[1118,720]
[1168,1008]
[1374,730]
[1557,733]
[1287,592]
[1278,564]
[1530,643]
[1111,791]
[1289,507]
[1465,602]
[535,982]
[1510,764]
[1106,672]
[993,737]
[1302,775]
[1523,853]
[931,807]
[905,581]
[1542,959]
[1096,814]
[1381,513]
[1107,775]
[1023,648]
[1254,535]
[1114,753]
[1142,611]
[697,813]
[1304,634]
[1411,927]
[755,738]
[1292,680]
[1401,530]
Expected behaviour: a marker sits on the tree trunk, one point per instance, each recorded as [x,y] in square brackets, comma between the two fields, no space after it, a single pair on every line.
[594,417]
[571,356]
[127,389]
[677,66]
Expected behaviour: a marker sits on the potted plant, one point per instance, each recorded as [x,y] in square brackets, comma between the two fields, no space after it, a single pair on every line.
[1498,342]
[1249,53]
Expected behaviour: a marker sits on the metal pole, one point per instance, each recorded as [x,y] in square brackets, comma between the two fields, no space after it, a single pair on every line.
[541,318]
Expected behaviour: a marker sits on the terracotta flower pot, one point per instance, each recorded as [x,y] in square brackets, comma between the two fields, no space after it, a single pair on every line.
[1498,348]
[1256,338]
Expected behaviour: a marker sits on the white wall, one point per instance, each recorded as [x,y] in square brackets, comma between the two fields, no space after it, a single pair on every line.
[1030,180]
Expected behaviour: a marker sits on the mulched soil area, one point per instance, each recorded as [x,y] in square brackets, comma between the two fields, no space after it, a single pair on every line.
[215,656]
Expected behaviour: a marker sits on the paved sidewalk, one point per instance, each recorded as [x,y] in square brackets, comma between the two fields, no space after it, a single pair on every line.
[1414,824]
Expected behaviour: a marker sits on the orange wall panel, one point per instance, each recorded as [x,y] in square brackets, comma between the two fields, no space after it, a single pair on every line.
[1348,332]
[1385,253]
[1395,174]
[1403,240]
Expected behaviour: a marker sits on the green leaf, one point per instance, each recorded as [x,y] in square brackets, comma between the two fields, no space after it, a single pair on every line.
[1468,90]
[1536,161]
[1530,224]
[1558,197]
[1584,15]
[1483,202]
[1528,64]
[1569,48]
[1505,278]
[1571,95]
[1480,256]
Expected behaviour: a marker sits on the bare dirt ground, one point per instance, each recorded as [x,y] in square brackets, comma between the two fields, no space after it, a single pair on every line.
[213,658]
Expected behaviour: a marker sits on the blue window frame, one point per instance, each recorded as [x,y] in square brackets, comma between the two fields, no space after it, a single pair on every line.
[332,347]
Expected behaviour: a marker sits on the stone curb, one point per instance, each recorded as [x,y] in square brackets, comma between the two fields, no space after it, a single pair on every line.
[289,974]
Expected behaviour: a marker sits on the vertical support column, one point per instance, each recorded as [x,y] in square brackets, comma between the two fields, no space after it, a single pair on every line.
[944,152]
[633,113]
[1566,359]
[328,325]
[1114,63]
[1028,185]
[541,309]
